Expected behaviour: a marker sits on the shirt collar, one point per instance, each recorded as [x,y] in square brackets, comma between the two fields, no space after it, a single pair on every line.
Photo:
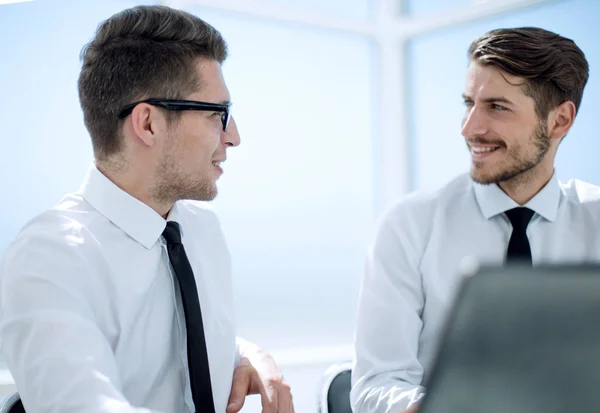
[493,201]
[176,215]
[131,215]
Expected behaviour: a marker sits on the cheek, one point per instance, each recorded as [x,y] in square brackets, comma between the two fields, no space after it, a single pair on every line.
[203,138]
[208,143]
[507,131]
[514,127]
[202,149]
[519,137]
[201,132]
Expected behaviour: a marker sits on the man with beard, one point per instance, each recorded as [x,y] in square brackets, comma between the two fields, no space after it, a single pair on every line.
[119,298]
[523,89]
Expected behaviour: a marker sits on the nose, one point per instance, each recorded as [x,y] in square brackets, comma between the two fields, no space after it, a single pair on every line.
[474,122]
[231,136]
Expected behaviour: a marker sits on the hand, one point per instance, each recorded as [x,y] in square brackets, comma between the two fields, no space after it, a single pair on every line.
[257,373]
[412,409]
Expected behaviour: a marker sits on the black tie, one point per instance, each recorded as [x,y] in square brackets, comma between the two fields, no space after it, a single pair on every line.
[196,344]
[518,246]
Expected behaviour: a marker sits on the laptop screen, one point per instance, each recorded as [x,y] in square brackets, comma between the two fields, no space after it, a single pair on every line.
[520,340]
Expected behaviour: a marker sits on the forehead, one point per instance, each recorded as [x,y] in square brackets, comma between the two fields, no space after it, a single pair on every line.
[212,86]
[488,81]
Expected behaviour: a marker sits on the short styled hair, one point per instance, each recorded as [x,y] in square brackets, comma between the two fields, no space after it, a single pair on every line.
[141,52]
[554,67]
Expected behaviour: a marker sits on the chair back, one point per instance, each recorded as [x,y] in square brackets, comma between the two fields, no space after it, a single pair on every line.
[334,391]
[12,404]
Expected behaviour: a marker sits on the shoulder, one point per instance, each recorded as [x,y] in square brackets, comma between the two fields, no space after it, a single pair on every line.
[411,219]
[58,234]
[580,192]
[54,248]
[421,205]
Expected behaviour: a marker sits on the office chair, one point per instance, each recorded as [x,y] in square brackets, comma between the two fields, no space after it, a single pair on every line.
[334,391]
[12,404]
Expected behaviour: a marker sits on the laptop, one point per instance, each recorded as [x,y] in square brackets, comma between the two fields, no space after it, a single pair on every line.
[520,340]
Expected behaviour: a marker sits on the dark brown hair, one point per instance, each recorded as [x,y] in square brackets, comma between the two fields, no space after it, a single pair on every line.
[554,68]
[141,52]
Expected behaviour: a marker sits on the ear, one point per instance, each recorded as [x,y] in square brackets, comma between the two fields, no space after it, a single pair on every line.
[147,123]
[561,119]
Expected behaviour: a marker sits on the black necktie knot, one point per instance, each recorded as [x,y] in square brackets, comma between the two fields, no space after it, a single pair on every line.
[519,217]
[172,233]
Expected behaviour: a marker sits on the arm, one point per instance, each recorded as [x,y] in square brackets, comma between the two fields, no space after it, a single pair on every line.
[59,358]
[387,374]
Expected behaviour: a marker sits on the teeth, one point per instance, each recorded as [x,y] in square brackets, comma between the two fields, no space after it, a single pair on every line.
[483,150]
[217,163]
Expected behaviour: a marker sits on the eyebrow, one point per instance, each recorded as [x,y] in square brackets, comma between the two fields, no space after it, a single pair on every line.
[498,99]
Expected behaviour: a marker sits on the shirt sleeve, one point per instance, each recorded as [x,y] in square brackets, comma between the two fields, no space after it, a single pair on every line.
[241,345]
[50,339]
[387,374]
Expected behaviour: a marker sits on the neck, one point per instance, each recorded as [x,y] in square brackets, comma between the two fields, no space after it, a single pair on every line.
[136,185]
[526,185]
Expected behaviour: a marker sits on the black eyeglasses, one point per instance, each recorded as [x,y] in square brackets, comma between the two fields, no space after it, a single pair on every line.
[175,104]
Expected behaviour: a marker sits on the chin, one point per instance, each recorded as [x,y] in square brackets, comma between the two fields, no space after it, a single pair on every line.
[213,192]
[213,195]
[481,176]
[203,191]
[208,195]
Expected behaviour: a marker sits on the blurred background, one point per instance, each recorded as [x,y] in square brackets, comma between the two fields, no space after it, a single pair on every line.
[342,105]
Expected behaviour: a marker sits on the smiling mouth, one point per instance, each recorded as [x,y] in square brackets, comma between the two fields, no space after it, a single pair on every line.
[483,150]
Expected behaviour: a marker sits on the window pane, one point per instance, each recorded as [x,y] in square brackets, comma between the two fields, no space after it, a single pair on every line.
[420,7]
[355,9]
[438,147]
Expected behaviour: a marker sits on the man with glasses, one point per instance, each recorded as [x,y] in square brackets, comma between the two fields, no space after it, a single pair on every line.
[119,298]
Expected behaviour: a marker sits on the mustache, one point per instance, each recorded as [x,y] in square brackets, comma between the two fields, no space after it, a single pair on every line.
[478,140]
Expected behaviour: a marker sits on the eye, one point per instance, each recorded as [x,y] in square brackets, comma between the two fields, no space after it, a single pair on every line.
[217,114]
[498,107]
[468,102]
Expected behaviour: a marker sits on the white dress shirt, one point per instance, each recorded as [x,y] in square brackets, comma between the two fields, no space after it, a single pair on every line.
[91,318]
[414,268]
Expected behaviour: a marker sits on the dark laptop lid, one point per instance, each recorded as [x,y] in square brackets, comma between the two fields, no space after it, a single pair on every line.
[520,340]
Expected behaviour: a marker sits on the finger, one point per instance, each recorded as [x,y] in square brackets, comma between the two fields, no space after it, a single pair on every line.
[268,397]
[284,398]
[240,386]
